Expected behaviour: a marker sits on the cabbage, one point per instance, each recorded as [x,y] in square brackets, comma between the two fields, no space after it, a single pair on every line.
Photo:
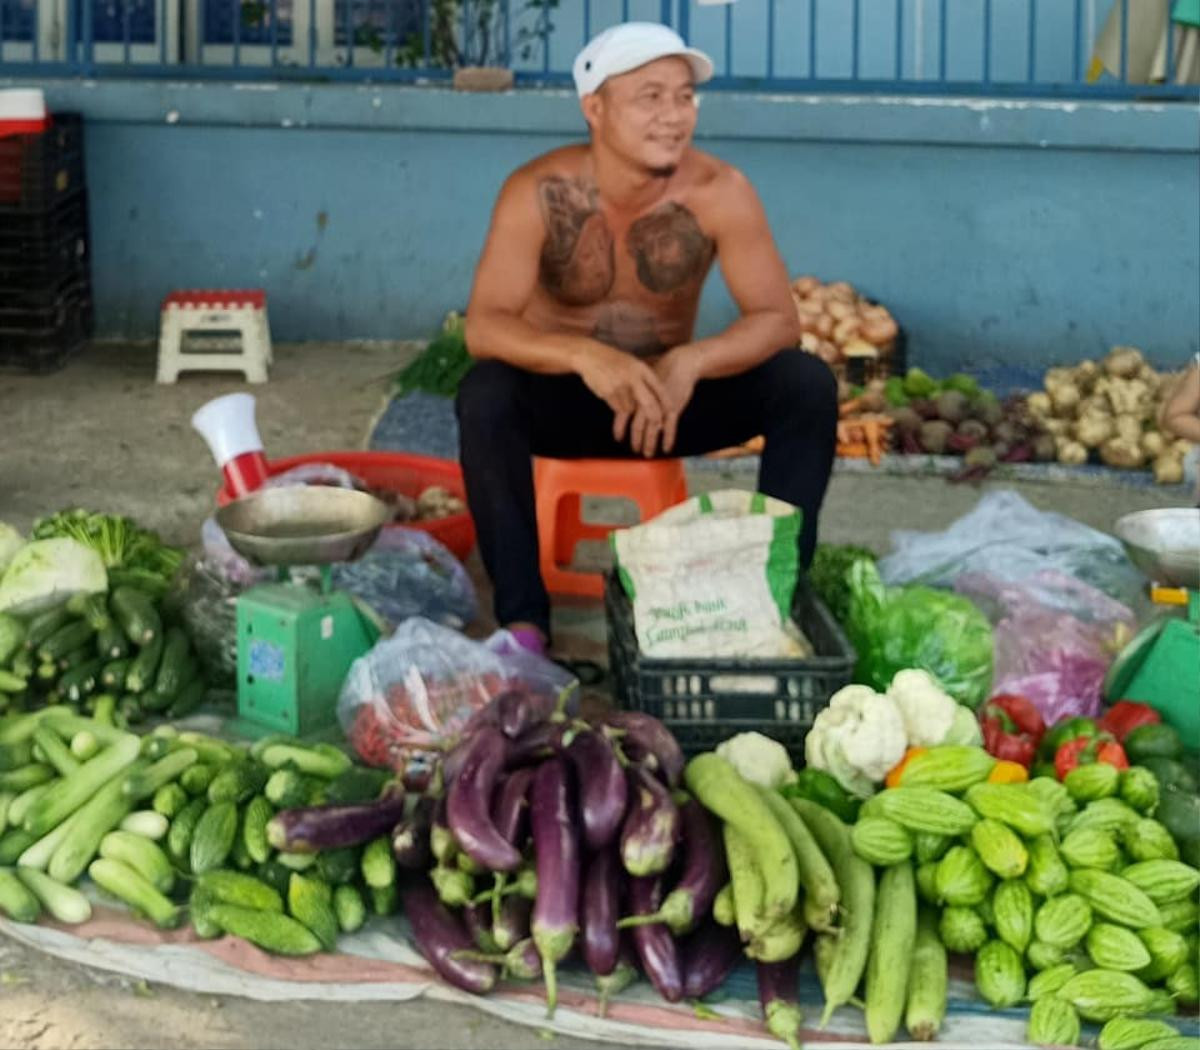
[11,541]
[46,572]
[895,628]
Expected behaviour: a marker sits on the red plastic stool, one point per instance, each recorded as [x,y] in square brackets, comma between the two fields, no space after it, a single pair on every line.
[561,484]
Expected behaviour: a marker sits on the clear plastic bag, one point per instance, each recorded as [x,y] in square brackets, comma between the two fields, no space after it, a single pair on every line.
[1056,659]
[208,606]
[408,699]
[896,628]
[409,573]
[1006,537]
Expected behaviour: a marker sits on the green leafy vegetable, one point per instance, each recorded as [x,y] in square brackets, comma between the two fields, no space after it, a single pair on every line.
[131,554]
[828,575]
[440,367]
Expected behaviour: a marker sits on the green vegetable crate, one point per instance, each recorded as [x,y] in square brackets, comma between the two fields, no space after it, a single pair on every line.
[704,702]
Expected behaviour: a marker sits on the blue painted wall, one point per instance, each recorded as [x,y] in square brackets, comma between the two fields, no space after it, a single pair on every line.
[998,231]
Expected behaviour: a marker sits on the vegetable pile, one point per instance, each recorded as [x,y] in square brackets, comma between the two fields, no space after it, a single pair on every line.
[1107,410]
[956,417]
[131,554]
[1067,893]
[837,323]
[180,824]
[115,654]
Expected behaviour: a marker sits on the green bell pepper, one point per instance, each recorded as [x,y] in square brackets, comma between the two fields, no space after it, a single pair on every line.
[818,786]
[1070,729]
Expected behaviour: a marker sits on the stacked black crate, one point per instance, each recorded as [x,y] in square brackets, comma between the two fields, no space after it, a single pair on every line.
[45,259]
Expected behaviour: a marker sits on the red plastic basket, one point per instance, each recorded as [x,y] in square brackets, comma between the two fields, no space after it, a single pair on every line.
[402,472]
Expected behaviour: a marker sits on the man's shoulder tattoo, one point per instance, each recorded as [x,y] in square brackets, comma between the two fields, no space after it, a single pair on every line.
[669,248]
[577,264]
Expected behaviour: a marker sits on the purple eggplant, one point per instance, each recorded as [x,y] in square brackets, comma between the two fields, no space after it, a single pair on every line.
[478,920]
[441,841]
[468,799]
[556,846]
[651,826]
[315,828]
[622,976]
[519,710]
[540,742]
[704,873]
[510,809]
[410,838]
[603,789]
[598,911]
[709,956]
[656,948]
[440,936]
[645,740]
[510,921]
[520,961]
[778,996]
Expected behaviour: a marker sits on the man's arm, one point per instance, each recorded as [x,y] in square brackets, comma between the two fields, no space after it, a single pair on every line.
[1180,414]
[506,279]
[757,279]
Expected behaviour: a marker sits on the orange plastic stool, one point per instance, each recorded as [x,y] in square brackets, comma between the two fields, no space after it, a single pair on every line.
[561,484]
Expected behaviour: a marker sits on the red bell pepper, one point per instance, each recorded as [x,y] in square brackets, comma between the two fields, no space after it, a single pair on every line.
[1084,750]
[1012,728]
[1127,715]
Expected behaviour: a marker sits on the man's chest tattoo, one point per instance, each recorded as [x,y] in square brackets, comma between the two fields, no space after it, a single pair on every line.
[669,248]
[577,264]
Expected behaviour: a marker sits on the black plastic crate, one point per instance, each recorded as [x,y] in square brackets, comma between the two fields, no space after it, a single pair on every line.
[44,340]
[22,230]
[38,169]
[704,702]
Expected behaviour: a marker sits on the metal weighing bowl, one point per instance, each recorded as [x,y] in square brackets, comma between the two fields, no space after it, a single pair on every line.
[303,524]
[1164,544]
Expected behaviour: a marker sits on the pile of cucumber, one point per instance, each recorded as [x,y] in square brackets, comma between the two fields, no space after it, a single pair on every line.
[175,825]
[109,654]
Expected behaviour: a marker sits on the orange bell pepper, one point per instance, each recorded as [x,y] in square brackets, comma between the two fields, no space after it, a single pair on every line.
[897,771]
[1005,772]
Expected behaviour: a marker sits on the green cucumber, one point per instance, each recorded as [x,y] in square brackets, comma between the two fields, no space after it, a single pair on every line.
[143,668]
[44,625]
[214,836]
[112,675]
[111,643]
[80,681]
[134,610]
[190,697]
[173,666]
[16,900]
[71,636]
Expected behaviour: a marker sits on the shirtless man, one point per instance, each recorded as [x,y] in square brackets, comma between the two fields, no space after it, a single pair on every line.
[583,306]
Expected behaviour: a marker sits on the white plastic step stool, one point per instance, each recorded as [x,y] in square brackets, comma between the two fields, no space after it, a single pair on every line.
[241,313]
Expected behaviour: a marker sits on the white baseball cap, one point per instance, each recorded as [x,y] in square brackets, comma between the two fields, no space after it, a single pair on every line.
[630,45]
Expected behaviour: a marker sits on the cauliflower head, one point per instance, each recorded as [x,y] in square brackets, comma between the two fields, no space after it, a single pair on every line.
[758,759]
[857,738]
[927,710]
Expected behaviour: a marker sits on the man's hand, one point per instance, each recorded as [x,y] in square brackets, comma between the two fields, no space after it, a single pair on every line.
[629,387]
[678,370]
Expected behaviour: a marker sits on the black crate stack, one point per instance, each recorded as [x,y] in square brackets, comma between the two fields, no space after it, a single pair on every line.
[46,312]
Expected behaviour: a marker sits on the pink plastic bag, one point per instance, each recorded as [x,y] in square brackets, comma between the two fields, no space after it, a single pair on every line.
[1057,659]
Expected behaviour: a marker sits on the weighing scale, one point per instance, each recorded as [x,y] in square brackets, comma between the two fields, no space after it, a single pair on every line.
[296,638]
[1161,666]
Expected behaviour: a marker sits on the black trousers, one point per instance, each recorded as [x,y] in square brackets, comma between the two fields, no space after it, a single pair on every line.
[506,415]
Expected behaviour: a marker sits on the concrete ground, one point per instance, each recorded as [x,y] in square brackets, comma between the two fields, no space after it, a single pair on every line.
[101,434]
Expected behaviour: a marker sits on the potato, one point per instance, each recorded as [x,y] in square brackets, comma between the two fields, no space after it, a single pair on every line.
[839,310]
[1071,453]
[1085,373]
[1123,362]
[1127,455]
[825,326]
[1153,444]
[1057,377]
[1065,397]
[1039,405]
[1129,428]
[880,330]
[1168,469]
[842,290]
[1056,427]
[1093,429]
[846,330]
[807,284]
